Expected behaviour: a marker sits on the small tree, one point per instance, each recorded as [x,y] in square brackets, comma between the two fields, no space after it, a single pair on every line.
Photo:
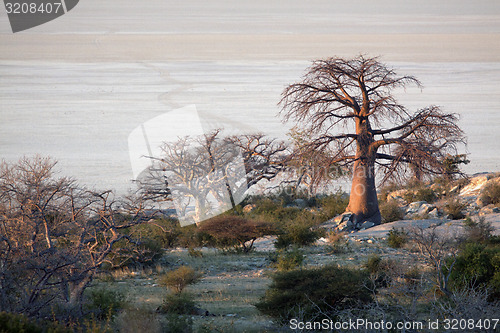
[212,171]
[180,278]
[347,109]
[55,235]
[231,230]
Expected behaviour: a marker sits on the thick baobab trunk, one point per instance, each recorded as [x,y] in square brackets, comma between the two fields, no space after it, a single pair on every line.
[363,202]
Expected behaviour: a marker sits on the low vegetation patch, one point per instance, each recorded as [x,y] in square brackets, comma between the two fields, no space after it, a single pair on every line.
[313,293]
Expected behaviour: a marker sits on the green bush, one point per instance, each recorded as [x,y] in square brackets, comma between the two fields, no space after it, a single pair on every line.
[180,278]
[391,211]
[286,260]
[397,238]
[333,204]
[17,323]
[491,193]
[273,211]
[299,232]
[378,269]
[314,292]
[177,324]
[479,265]
[179,304]
[104,303]
[373,264]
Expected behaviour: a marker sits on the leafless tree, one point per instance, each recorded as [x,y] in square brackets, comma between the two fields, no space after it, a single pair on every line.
[264,158]
[439,250]
[54,235]
[212,172]
[347,106]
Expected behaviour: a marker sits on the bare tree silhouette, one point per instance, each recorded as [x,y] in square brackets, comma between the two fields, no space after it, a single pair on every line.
[348,110]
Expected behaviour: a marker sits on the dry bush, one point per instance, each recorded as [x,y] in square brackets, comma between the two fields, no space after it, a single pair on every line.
[491,193]
[180,278]
[391,211]
[236,231]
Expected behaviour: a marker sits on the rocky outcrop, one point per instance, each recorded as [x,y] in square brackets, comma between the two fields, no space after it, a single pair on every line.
[468,194]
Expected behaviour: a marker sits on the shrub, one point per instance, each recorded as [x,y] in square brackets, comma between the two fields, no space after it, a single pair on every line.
[373,264]
[190,236]
[478,265]
[333,204]
[479,231]
[15,323]
[180,278]
[273,211]
[455,208]
[391,211]
[314,292]
[286,260]
[178,324]
[138,320]
[386,190]
[491,193]
[338,243]
[179,304]
[195,253]
[297,234]
[379,270]
[397,238]
[236,231]
[421,193]
[104,303]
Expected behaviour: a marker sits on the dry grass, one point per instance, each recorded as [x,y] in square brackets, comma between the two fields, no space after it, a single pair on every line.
[231,284]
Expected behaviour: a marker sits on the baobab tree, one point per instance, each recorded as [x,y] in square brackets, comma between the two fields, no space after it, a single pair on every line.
[347,108]
[211,172]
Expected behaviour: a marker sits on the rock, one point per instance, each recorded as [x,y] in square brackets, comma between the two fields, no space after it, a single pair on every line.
[489,210]
[300,203]
[474,187]
[248,208]
[414,207]
[433,214]
[345,222]
[366,225]
[425,209]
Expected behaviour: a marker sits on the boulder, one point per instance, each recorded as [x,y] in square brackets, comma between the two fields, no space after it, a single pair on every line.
[414,207]
[425,209]
[489,210]
[433,214]
[345,221]
[474,187]
[300,203]
[366,225]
